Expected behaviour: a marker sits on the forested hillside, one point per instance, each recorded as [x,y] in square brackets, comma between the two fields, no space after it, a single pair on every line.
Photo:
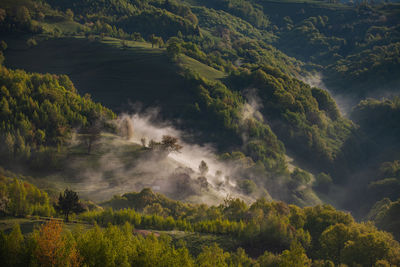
[38,113]
[251,124]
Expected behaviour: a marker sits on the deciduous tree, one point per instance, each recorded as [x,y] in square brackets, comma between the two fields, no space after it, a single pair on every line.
[170,144]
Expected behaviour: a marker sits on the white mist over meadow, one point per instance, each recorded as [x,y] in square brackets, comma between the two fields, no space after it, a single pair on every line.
[190,156]
[124,165]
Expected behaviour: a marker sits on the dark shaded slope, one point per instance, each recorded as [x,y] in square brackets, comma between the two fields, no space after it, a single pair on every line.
[114,76]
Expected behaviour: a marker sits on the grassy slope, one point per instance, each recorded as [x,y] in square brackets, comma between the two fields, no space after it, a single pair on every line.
[86,174]
[114,75]
[202,69]
[29,224]
[114,167]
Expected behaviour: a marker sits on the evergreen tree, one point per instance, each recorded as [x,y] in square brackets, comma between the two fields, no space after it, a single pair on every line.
[68,203]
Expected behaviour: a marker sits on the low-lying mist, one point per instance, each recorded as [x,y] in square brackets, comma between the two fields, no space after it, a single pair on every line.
[344,103]
[350,97]
[126,162]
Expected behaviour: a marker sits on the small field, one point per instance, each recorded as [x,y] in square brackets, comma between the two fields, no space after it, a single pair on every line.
[194,241]
[97,176]
[202,69]
[27,225]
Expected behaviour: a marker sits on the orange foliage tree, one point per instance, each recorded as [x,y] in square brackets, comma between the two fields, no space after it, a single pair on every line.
[52,248]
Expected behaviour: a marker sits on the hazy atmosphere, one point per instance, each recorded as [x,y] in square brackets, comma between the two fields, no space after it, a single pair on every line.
[257,133]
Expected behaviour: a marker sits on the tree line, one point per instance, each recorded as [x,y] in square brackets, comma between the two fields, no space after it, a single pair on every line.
[323,232]
[276,234]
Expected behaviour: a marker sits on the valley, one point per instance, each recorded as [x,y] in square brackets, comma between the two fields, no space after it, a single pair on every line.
[201,133]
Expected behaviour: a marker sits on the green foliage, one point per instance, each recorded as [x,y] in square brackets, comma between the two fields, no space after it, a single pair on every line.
[357,47]
[247,186]
[299,177]
[378,137]
[18,18]
[321,230]
[305,119]
[212,256]
[246,10]
[295,257]
[223,108]
[367,249]
[19,198]
[319,218]
[31,42]
[323,182]
[173,48]
[333,241]
[269,259]
[38,113]
[335,235]
[227,38]
[144,17]
[12,247]
[326,103]
[68,202]
[339,239]
[371,111]
[368,70]
[113,246]
[263,224]
[385,214]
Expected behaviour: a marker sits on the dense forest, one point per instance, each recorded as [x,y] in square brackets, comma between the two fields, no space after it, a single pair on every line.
[199,133]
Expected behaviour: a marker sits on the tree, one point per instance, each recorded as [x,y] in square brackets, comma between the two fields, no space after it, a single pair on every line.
[212,256]
[240,259]
[268,259]
[136,36]
[247,186]
[143,141]
[50,244]
[3,15]
[155,40]
[23,14]
[68,203]
[18,205]
[170,144]
[155,209]
[69,14]
[90,135]
[14,247]
[323,182]
[333,240]
[126,128]
[295,257]
[160,42]
[55,249]
[173,48]
[203,168]
[31,42]
[202,181]
[300,176]
[366,249]
[3,45]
